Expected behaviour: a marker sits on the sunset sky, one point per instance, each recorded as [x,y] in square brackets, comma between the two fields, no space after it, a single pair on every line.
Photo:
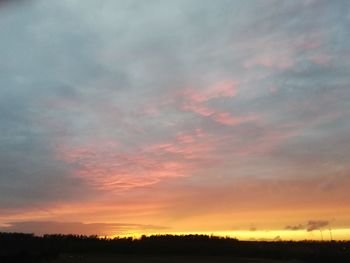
[189,116]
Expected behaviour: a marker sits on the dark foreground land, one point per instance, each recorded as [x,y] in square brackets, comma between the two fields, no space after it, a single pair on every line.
[162,259]
[18,247]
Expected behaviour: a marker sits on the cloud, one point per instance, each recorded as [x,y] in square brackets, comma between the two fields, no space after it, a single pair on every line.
[296,227]
[316,224]
[223,89]
[106,166]
[161,96]
[197,101]
[4,2]
[310,226]
[272,60]
[101,229]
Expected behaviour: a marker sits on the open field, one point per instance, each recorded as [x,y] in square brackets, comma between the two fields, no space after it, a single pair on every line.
[70,258]
[21,247]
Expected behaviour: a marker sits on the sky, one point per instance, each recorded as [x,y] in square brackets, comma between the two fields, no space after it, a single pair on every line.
[190,116]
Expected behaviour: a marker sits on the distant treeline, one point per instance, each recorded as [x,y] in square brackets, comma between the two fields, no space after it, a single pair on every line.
[20,247]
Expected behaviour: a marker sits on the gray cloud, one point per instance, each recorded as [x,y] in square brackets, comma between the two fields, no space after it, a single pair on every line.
[310,226]
[316,224]
[5,2]
[296,227]
[74,76]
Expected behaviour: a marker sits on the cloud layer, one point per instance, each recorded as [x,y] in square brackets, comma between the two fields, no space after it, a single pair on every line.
[133,107]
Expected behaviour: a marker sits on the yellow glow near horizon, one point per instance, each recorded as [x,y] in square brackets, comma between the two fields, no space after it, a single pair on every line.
[273,235]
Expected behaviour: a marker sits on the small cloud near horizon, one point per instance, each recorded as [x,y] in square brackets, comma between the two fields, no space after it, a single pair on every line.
[310,226]
[296,227]
[316,224]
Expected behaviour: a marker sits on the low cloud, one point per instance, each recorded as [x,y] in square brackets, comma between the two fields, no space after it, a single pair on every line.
[316,224]
[296,227]
[309,226]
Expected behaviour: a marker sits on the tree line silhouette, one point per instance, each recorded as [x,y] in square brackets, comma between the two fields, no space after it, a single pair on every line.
[22,247]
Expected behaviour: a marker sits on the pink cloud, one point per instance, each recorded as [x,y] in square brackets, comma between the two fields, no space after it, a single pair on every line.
[198,108]
[220,90]
[192,146]
[227,119]
[270,55]
[111,169]
[200,133]
[271,60]
[105,165]
[195,101]
[185,138]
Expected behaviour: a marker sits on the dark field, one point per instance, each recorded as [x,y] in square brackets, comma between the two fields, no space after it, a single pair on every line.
[161,259]
[19,247]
